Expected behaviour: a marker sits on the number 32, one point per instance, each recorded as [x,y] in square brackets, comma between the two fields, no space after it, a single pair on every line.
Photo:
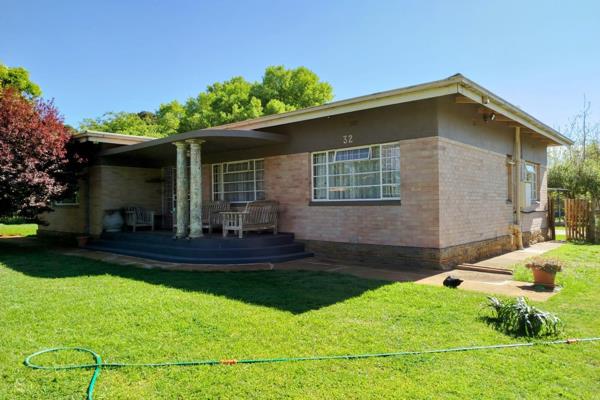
[347,139]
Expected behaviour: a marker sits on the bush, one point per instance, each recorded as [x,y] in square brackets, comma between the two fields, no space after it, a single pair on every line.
[550,265]
[518,318]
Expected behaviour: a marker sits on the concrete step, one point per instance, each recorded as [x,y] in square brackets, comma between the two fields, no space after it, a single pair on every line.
[481,268]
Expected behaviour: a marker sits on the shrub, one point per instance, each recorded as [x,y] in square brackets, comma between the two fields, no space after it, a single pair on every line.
[550,265]
[518,318]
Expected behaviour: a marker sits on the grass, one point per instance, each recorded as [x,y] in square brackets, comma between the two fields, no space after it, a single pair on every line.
[137,315]
[18,229]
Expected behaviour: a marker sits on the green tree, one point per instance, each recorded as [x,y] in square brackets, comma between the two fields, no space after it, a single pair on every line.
[236,99]
[122,122]
[284,89]
[222,103]
[18,78]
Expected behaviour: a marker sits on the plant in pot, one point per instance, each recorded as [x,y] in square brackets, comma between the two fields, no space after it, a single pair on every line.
[544,270]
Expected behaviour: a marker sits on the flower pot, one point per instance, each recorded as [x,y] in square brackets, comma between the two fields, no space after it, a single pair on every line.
[541,277]
[82,241]
[112,221]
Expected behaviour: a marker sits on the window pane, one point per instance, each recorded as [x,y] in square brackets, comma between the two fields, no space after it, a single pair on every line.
[371,172]
[320,194]
[320,170]
[354,154]
[320,158]
[390,191]
[320,182]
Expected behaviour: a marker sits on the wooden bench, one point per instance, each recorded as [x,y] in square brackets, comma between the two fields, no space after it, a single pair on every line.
[211,213]
[256,216]
[138,217]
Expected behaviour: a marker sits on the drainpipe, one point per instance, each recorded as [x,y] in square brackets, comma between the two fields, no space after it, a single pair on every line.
[518,235]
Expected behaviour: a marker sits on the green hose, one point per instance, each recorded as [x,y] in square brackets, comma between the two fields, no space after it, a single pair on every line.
[98,364]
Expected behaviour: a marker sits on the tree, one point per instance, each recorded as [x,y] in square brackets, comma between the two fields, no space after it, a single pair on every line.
[136,124]
[577,168]
[37,157]
[284,90]
[18,78]
[236,99]
[222,103]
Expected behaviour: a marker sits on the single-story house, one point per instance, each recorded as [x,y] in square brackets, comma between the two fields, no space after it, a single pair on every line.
[434,174]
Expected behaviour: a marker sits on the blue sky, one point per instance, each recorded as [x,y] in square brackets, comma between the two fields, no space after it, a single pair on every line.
[93,57]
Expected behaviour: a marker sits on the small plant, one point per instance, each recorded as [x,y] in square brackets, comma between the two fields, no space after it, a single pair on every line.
[549,265]
[521,319]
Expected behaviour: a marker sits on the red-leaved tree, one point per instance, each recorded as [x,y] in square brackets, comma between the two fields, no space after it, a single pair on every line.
[38,160]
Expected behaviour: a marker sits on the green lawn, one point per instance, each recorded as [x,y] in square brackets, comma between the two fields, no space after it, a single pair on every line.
[137,315]
[18,229]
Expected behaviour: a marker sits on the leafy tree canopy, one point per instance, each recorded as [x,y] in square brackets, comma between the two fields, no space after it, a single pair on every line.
[18,78]
[38,156]
[236,99]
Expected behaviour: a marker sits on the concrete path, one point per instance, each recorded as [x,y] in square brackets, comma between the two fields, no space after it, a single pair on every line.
[506,261]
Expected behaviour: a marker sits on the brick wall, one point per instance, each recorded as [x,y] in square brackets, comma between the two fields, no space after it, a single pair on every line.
[114,187]
[473,194]
[414,223]
[67,218]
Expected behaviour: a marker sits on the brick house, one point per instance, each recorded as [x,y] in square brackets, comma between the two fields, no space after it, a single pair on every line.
[434,174]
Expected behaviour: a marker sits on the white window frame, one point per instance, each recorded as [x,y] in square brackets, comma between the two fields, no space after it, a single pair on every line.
[327,164]
[60,203]
[534,184]
[221,192]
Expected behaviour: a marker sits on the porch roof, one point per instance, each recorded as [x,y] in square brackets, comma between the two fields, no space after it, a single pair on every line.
[161,152]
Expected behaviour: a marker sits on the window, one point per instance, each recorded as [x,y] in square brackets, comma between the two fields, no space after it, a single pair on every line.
[72,200]
[362,173]
[531,183]
[239,182]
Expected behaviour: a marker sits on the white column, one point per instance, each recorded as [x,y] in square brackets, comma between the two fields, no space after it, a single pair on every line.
[183,208]
[195,188]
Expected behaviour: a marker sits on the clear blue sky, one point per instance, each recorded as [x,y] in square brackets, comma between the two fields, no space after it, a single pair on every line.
[97,56]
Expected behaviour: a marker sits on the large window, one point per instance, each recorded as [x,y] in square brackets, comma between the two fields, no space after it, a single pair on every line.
[239,182]
[531,183]
[361,173]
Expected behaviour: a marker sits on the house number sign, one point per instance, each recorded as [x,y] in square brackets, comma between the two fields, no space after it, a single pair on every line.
[347,139]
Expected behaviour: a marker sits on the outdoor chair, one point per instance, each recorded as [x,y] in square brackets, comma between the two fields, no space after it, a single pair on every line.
[256,216]
[211,213]
[138,217]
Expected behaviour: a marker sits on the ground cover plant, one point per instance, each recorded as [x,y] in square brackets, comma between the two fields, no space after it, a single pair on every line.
[137,315]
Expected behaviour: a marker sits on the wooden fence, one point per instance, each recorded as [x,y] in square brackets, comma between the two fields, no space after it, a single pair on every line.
[581,219]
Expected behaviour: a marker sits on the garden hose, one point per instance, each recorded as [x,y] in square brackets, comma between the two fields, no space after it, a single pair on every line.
[97,365]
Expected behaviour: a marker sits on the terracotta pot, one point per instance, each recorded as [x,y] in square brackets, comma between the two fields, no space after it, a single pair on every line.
[544,278]
[82,241]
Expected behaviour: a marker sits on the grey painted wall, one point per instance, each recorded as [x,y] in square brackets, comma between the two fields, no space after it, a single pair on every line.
[462,123]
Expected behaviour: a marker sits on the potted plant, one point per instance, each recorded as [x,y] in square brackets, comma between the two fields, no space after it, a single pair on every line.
[82,241]
[544,270]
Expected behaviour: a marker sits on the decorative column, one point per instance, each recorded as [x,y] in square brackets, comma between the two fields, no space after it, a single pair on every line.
[183,185]
[195,187]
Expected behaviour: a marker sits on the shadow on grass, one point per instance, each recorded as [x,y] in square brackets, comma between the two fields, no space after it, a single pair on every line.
[293,291]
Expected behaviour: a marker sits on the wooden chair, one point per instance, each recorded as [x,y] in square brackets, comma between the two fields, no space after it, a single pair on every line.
[211,213]
[256,216]
[137,217]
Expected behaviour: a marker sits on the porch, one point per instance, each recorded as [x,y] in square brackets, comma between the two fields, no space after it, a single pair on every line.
[189,210]
[210,249]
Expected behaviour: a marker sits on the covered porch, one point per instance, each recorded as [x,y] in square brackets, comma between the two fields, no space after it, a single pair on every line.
[196,218]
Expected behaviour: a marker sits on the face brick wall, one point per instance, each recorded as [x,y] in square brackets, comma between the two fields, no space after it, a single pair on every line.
[414,223]
[115,187]
[473,194]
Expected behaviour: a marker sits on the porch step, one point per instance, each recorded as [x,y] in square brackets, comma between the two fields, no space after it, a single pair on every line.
[255,248]
[482,268]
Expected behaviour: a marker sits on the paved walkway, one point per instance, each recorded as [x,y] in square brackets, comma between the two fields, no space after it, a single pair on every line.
[506,261]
